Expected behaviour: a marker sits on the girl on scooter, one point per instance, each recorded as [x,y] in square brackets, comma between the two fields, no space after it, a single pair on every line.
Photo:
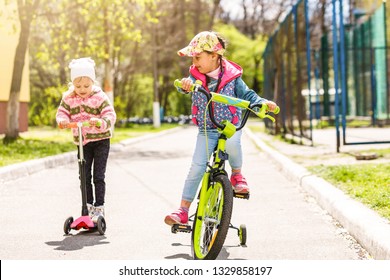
[84,101]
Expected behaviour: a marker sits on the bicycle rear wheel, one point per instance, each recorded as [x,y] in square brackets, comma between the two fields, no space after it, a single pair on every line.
[212,219]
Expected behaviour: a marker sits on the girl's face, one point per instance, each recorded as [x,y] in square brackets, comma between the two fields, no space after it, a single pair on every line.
[206,62]
[83,86]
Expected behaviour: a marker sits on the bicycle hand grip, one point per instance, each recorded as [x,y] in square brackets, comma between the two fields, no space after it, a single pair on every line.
[178,84]
[263,112]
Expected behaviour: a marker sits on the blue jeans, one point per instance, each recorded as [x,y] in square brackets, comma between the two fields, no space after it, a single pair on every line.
[199,159]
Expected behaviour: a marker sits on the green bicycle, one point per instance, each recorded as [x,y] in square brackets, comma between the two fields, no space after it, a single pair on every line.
[211,221]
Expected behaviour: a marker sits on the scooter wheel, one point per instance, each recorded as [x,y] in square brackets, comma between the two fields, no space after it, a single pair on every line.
[101,225]
[242,235]
[67,224]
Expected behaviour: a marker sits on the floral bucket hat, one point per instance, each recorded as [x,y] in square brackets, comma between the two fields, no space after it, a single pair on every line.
[204,41]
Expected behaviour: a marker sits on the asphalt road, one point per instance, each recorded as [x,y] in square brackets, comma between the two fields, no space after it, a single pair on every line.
[144,183]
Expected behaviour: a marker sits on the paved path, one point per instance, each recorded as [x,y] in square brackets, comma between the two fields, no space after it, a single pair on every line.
[144,182]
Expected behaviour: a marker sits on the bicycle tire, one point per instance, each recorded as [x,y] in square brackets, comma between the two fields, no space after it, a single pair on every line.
[211,227]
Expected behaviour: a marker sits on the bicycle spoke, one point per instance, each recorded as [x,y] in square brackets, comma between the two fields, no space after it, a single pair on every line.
[212,218]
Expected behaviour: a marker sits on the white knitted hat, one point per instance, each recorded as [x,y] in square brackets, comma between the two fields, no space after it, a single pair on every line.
[82,67]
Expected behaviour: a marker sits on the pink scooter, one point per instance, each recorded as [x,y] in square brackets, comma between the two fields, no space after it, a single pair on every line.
[85,221]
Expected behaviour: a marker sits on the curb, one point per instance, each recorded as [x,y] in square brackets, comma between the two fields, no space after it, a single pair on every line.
[19,170]
[365,225]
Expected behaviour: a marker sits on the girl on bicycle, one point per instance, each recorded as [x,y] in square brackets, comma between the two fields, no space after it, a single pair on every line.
[218,75]
[85,101]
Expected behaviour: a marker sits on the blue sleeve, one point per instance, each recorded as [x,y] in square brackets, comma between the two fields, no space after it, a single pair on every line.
[244,92]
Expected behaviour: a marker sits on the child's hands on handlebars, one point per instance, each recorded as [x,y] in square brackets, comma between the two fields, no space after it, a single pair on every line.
[64,123]
[271,106]
[95,122]
[186,84]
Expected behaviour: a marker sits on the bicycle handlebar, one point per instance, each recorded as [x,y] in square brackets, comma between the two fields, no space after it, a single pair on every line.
[233,101]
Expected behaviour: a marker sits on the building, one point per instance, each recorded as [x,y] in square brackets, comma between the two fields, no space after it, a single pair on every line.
[9,40]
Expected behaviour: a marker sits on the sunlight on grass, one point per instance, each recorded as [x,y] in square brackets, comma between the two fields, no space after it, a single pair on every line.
[27,149]
[368,183]
[41,142]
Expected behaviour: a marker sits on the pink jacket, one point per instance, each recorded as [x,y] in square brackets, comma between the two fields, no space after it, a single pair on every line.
[231,85]
[76,109]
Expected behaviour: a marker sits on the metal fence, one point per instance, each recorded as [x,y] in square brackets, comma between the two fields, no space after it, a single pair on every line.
[334,69]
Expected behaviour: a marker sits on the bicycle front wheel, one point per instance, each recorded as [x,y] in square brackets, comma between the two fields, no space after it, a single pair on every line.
[212,219]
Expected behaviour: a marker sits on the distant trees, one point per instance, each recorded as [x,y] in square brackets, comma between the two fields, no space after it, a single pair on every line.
[260,17]
[117,34]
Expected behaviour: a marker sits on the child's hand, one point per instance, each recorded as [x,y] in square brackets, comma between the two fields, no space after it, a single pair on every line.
[186,84]
[95,122]
[63,123]
[271,105]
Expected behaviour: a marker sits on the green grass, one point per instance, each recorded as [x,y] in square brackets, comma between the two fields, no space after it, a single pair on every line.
[368,183]
[47,141]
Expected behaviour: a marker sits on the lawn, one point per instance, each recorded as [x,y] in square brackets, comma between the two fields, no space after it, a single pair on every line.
[41,142]
[367,183]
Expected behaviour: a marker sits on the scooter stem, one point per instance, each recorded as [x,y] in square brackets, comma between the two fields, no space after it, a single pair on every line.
[83,183]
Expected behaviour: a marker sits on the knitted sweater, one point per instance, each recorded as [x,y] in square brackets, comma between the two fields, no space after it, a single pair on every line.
[77,109]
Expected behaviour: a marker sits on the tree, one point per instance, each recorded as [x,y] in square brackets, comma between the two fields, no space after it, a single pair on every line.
[108,31]
[261,17]
[118,35]
[26,10]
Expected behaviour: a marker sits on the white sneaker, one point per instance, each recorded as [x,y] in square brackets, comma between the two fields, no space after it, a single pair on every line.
[99,211]
[91,210]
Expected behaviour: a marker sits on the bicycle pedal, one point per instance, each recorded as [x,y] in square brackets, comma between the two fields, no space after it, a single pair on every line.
[241,195]
[181,228]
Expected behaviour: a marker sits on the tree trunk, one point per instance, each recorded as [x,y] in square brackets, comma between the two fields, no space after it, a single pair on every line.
[214,10]
[26,12]
[183,64]
[197,13]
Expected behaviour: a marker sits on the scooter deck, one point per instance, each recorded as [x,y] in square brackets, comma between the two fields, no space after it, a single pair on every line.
[84,222]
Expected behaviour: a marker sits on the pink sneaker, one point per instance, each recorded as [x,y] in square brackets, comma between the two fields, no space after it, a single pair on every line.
[239,183]
[178,217]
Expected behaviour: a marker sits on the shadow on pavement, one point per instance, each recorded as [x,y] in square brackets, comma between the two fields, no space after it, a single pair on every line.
[78,241]
[179,256]
[223,255]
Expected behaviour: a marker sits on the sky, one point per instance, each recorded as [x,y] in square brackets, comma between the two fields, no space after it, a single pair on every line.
[234,6]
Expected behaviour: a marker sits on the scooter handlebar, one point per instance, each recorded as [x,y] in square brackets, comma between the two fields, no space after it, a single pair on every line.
[81,124]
